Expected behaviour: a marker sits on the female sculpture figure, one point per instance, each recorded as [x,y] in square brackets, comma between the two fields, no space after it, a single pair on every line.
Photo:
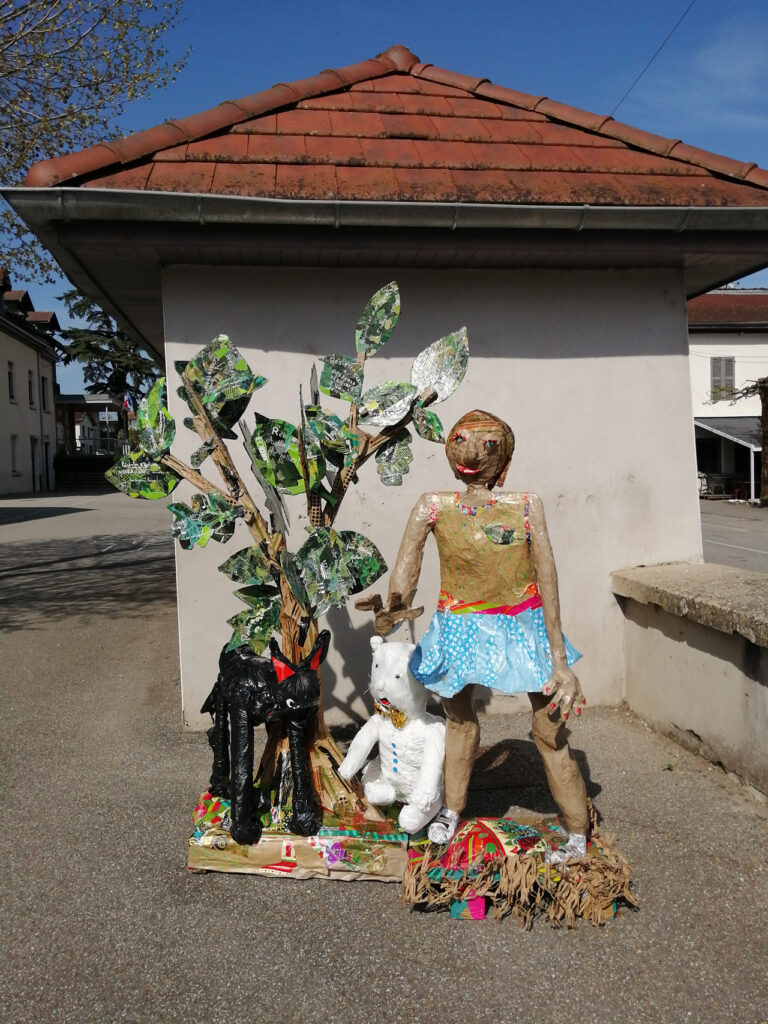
[497,621]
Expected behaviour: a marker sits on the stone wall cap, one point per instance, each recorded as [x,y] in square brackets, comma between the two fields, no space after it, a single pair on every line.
[723,598]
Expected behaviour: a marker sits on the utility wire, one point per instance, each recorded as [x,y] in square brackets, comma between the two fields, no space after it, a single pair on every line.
[653,58]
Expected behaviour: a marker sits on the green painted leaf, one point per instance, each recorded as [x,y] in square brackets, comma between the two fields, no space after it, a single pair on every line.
[255,626]
[443,365]
[138,476]
[224,383]
[257,596]
[394,460]
[335,565]
[499,534]
[339,445]
[341,377]
[209,517]
[387,403]
[428,425]
[275,451]
[292,571]
[198,457]
[362,559]
[248,566]
[155,425]
[378,319]
[323,572]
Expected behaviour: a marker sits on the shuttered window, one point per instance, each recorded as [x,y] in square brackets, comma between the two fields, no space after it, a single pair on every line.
[722,373]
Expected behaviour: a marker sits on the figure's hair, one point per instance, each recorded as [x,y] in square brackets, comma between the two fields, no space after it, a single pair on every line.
[478,419]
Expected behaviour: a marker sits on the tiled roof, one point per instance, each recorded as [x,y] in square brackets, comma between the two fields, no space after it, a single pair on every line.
[733,306]
[395,129]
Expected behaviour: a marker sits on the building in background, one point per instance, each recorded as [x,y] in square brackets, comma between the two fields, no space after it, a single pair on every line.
[728,344]
[27,423]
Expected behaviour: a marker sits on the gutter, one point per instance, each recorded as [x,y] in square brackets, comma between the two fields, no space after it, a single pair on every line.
[41,208]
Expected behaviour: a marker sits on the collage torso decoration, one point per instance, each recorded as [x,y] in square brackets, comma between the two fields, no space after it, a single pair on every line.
[486,565]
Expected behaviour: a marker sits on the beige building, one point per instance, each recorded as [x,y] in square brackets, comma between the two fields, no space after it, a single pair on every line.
[567,243]
[27,423]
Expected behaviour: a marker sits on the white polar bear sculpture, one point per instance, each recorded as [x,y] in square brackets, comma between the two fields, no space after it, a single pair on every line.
[409,767]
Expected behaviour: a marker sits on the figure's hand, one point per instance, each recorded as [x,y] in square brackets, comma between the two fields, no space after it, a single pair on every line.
[386,619]
[565,691]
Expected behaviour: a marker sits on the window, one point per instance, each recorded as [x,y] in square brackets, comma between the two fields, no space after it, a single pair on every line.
[44,392]
[11,382]
[722,377]
[31,387]
[14,454]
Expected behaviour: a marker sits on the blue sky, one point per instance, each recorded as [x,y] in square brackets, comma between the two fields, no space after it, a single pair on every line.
[708,86]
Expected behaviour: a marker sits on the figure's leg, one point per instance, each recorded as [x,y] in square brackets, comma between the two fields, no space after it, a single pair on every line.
[306,815]
[378,790]
[462,738]
[563,774]
[246,827]
[413,819]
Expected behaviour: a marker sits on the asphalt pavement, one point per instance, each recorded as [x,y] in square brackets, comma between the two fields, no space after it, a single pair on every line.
[101,921]
[735,533]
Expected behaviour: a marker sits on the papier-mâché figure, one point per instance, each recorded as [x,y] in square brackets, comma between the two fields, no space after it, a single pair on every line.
[498,618]
[411,742]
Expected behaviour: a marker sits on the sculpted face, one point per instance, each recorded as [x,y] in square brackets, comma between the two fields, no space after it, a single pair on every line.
[479,448]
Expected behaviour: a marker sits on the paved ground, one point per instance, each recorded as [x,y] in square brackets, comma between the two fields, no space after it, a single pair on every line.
[102,922]
[735,534]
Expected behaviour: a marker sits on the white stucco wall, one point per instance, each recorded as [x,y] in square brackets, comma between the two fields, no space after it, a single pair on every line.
[590,369]
[26,421]
[750,355]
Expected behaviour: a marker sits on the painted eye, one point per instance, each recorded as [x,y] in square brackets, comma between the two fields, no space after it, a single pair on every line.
[457,438]
[291,703]
[491,445]
[398,675]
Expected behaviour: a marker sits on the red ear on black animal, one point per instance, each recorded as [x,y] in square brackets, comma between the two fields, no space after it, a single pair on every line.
[316,659]
[282,670]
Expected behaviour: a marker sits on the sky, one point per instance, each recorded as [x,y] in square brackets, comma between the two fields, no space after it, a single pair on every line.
[708,86]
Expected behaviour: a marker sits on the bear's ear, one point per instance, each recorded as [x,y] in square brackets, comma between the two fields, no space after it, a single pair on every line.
[376,642]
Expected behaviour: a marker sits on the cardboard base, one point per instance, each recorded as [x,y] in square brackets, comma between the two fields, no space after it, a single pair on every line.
[346,849]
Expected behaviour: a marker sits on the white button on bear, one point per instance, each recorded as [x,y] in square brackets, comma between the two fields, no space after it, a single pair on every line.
[409,768]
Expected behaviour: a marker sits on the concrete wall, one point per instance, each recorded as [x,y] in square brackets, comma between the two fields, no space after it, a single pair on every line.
[750,353]
[23,420]
[705,688]
[591,370]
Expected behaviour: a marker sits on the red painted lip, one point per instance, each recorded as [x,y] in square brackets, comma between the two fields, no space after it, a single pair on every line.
[467,470]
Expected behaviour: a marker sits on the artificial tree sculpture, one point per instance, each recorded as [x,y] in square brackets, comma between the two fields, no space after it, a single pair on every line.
[319,457]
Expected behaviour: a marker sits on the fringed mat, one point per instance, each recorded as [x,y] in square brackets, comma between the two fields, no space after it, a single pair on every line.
[499,864]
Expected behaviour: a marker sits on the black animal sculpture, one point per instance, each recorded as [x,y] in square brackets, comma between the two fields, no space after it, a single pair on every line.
[251,691]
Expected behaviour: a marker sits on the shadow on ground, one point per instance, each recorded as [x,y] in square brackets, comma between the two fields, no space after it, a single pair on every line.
[105,575]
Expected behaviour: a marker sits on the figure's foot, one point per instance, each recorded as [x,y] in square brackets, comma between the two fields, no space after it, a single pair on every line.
[574,849]
[246,832]
[443,828]
[306,819]
[412,819]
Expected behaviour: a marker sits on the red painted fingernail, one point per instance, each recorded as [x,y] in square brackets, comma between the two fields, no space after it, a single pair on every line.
[551,706]
[578,711]
[565,715]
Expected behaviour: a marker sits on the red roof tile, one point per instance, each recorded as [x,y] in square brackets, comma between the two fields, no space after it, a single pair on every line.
[732,306]
[393,128]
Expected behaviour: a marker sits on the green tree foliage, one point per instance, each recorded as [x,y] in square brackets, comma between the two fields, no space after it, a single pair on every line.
[68,69]
[112,362]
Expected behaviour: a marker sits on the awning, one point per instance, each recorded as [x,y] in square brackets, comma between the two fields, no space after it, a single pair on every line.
[744,430]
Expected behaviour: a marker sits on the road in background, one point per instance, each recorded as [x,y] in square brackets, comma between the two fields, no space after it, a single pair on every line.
[735,534]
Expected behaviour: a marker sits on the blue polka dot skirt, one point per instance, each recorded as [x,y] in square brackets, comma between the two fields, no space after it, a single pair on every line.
[509,653]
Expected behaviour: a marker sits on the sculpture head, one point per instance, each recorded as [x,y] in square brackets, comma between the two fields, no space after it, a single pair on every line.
[479,448]
[392,685]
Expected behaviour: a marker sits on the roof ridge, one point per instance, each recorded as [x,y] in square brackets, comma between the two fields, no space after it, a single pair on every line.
[396,59]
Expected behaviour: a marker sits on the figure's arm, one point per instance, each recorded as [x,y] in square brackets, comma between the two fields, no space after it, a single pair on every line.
[360,748]
[404,577]
[563,684]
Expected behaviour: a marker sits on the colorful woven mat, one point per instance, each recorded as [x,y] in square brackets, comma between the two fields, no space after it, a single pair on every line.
[499,864]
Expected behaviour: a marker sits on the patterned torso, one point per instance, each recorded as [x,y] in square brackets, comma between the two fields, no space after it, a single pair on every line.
[486,564]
